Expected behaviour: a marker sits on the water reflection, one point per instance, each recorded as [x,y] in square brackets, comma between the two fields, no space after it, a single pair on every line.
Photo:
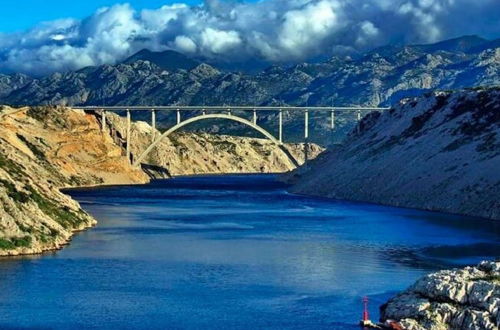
[233,252]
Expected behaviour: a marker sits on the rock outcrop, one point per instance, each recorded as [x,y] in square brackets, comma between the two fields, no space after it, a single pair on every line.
[439,152]
[43,149]
[467,298]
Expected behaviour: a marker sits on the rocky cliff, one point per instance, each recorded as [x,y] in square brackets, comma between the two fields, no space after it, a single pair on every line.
[43,149]
[438,152]
[467,298]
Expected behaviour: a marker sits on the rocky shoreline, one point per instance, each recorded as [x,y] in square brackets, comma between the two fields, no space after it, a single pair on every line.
[439,152]
[467,298]
[45,149]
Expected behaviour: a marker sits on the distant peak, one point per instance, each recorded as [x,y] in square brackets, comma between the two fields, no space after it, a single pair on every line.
[168,60]
[204,70]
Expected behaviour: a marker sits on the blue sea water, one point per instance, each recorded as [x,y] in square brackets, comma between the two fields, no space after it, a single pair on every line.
[232,252]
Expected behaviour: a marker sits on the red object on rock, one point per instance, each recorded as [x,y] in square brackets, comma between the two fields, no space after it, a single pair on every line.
[366,317]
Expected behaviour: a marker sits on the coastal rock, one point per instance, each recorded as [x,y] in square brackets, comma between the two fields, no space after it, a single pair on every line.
[467,298]
[42,150]
[438,152]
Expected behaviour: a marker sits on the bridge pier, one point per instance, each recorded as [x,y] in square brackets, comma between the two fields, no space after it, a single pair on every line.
[128,135]
[306,124]
[127,147]
[280,135]
[332,120]
[153,125]
[255,117]
[178,116]
[103,121]
[359,119]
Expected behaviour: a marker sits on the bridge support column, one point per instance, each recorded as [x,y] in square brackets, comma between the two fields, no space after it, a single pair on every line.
[103,120]
[359,119]
[203,112]
[306,124]
[306,135]
[255,116]
[153,125]
[178,116]
[128,135]
[281,126]
[229,112]
[332,125]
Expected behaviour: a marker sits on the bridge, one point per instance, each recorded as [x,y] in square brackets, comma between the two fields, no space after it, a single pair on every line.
[220,112]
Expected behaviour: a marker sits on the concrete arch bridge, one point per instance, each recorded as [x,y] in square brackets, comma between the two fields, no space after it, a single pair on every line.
[224,113]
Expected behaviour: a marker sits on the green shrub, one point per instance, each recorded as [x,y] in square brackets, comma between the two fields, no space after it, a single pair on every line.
[11,167]
[13,193]
[63,215]
[34,149]
[15,242]
[22,241]
[5,244]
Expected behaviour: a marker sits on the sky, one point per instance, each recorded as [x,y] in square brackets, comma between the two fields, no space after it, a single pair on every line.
[35,11]
[39,37]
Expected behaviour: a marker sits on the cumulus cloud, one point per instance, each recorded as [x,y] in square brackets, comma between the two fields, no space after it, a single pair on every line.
[224,30]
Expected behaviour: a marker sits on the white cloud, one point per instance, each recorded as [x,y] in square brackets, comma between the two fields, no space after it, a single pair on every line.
[274,30]
[185,44]
[306,28]
[218,42]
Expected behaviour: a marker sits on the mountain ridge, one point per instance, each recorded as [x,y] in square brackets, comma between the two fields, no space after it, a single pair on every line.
[380,77]
[169,60]
[152,78]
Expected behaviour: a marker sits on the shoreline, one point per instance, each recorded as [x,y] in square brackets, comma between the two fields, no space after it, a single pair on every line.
[397,207]
[63,190]
[68,240]
[172,177]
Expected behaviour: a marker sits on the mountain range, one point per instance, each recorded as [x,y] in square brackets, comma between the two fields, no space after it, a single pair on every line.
[379,77]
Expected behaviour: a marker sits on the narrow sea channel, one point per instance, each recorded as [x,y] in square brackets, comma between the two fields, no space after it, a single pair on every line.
[235,252]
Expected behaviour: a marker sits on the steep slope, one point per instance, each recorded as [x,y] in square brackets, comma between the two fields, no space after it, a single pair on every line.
[42,150]
[439,152]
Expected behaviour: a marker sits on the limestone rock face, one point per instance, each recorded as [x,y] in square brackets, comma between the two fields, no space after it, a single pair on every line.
[44,149]
[467,298]
[438,152]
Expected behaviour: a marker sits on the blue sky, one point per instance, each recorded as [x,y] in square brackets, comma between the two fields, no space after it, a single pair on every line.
[275,31]
[24,14]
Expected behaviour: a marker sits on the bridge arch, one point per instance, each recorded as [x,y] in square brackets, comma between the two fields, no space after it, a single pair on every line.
[186,122]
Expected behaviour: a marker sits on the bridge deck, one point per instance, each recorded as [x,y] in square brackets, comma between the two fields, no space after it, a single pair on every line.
[226,108]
